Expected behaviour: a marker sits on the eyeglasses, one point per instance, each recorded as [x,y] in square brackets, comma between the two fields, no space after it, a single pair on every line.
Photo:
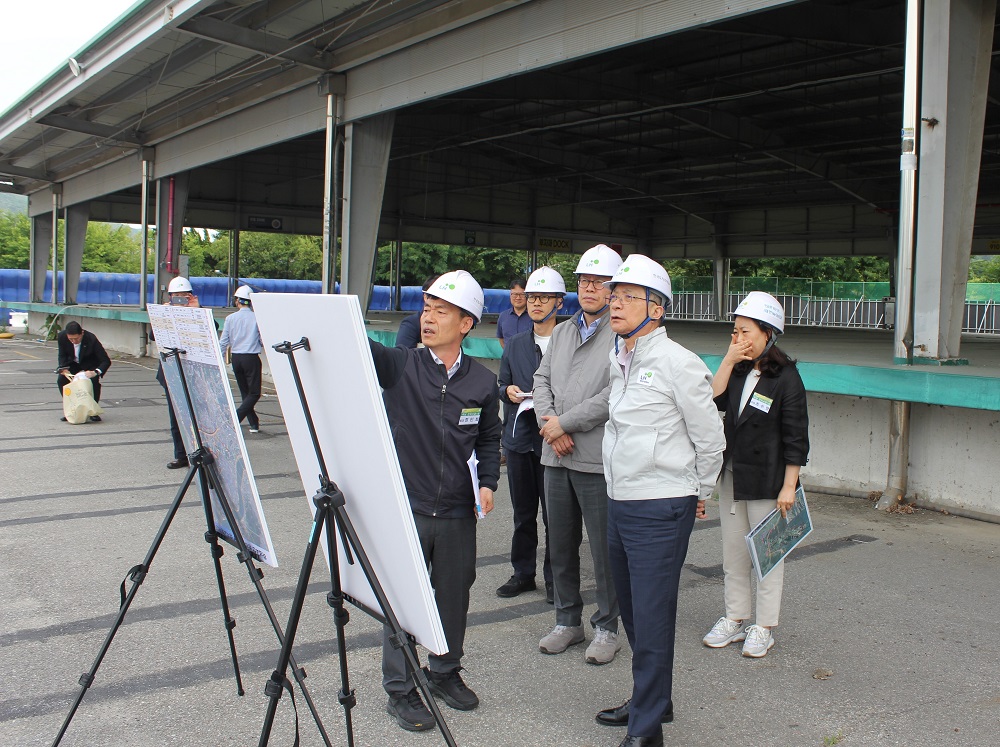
[518,296]
[539,298]
[592,282]
[625,298]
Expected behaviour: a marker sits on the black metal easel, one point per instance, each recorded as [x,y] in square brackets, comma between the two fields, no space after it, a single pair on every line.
[202,464]
[330,509]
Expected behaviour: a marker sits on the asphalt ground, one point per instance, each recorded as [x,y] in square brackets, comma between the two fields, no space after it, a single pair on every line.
[888,633]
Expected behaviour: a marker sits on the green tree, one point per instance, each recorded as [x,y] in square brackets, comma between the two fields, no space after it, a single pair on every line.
[208,253]
[110,248]
[984,270]
[271,255]
[15,240]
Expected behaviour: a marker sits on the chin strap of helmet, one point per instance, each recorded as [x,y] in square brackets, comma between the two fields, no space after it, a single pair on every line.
[772,338]
[647,320]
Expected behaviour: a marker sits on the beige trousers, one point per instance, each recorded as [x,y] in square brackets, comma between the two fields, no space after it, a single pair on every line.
[738,518]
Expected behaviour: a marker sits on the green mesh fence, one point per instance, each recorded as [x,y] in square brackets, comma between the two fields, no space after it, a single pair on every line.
[975,292]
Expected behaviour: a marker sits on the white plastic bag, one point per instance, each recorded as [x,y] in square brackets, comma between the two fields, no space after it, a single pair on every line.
[78,400]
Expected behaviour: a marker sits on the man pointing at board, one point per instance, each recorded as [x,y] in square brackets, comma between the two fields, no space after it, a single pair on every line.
[442,408]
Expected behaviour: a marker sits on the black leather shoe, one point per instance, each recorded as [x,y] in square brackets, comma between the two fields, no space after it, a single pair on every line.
[178,464]
[550,593]
[95,418]
[410,712]
[619,716]
[515,586]
[633,741]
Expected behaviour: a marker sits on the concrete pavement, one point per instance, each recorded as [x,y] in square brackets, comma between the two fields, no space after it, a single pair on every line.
[887,634]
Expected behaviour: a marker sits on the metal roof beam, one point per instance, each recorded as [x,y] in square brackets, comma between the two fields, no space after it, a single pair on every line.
[22,173]
[268,45]
[105,132]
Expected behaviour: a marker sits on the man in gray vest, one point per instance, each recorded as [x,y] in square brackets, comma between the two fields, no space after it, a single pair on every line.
[571,404]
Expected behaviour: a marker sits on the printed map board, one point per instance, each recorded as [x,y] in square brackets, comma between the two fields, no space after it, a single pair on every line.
[193,330]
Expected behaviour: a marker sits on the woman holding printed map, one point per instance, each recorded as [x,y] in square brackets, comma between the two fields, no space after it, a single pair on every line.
[767,441]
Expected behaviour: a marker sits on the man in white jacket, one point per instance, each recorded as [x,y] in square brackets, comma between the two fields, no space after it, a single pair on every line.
[662,451]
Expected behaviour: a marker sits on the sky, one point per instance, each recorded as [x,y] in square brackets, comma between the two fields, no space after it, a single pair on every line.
[42,34]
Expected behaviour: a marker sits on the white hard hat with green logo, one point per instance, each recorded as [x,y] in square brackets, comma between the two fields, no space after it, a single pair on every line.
[545,280]
[461,289]
[599,260]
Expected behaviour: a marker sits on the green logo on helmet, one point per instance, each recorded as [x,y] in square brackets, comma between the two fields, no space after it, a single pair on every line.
[626,268]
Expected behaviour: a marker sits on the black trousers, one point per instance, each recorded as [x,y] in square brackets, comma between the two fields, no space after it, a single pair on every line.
[246,369]
[175,432]
[74,368]
[449,548]
[526,478]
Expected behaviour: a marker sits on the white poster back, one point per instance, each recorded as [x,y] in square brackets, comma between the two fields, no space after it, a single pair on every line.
[345,401]
[193,331]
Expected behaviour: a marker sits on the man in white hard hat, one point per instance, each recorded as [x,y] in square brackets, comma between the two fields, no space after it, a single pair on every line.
[521,440]
[570,391]
[179,293]
[241,336]
[662,453]
[443,410]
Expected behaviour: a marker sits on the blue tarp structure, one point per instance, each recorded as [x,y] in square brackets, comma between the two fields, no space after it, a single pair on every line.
[122,289]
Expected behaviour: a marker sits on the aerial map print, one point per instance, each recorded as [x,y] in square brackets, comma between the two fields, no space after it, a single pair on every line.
[193,331]
[775,537]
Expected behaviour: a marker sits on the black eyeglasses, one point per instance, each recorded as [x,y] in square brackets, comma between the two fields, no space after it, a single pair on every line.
[539,297]
[518,296]
[592,282]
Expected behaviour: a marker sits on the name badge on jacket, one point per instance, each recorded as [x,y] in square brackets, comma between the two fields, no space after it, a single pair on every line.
[470,416]
[760,402]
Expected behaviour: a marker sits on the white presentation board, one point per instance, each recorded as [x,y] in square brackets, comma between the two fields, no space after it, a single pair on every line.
[344,398]
[193,331]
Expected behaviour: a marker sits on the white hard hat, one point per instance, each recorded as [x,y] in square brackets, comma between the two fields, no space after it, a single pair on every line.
[639,269]
[764,308]
[545,280]
[180,285]
[460,288]
[243,292]
[599,260]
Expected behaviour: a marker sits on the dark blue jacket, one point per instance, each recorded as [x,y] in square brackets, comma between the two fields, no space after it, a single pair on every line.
[521,357]
[408,334]
[436,423]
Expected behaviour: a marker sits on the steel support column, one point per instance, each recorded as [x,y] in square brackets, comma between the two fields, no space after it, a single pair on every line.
[77,218]
[41,244]
[957,45]
[147,168]
[171,205]
[366,161]
[331,193]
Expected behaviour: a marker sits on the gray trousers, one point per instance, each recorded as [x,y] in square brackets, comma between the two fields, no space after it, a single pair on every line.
[449,547]
[573,499]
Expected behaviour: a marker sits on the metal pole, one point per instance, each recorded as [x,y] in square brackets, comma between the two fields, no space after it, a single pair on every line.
[899,418]
[337,196]
[55,244]
[329,230]
[903,347]
[345,247]
[144,251]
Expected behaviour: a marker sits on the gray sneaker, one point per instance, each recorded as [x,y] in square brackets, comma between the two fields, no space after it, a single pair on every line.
[603,648]
[561,638]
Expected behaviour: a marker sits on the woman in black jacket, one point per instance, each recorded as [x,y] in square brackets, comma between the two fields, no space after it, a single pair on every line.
[767,441]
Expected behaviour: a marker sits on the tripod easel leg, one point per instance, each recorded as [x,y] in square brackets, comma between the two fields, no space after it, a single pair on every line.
[137,574]
[212,538]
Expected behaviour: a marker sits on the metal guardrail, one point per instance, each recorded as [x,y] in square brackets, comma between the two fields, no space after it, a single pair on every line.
[981,317]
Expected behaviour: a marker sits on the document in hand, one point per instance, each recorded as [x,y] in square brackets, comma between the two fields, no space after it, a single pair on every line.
[776,536]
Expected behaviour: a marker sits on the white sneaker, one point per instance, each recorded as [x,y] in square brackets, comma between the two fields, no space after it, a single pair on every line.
[759,641]
[724,632]
[603,648]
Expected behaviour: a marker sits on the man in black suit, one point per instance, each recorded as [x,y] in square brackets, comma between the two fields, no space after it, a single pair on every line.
[80,350]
